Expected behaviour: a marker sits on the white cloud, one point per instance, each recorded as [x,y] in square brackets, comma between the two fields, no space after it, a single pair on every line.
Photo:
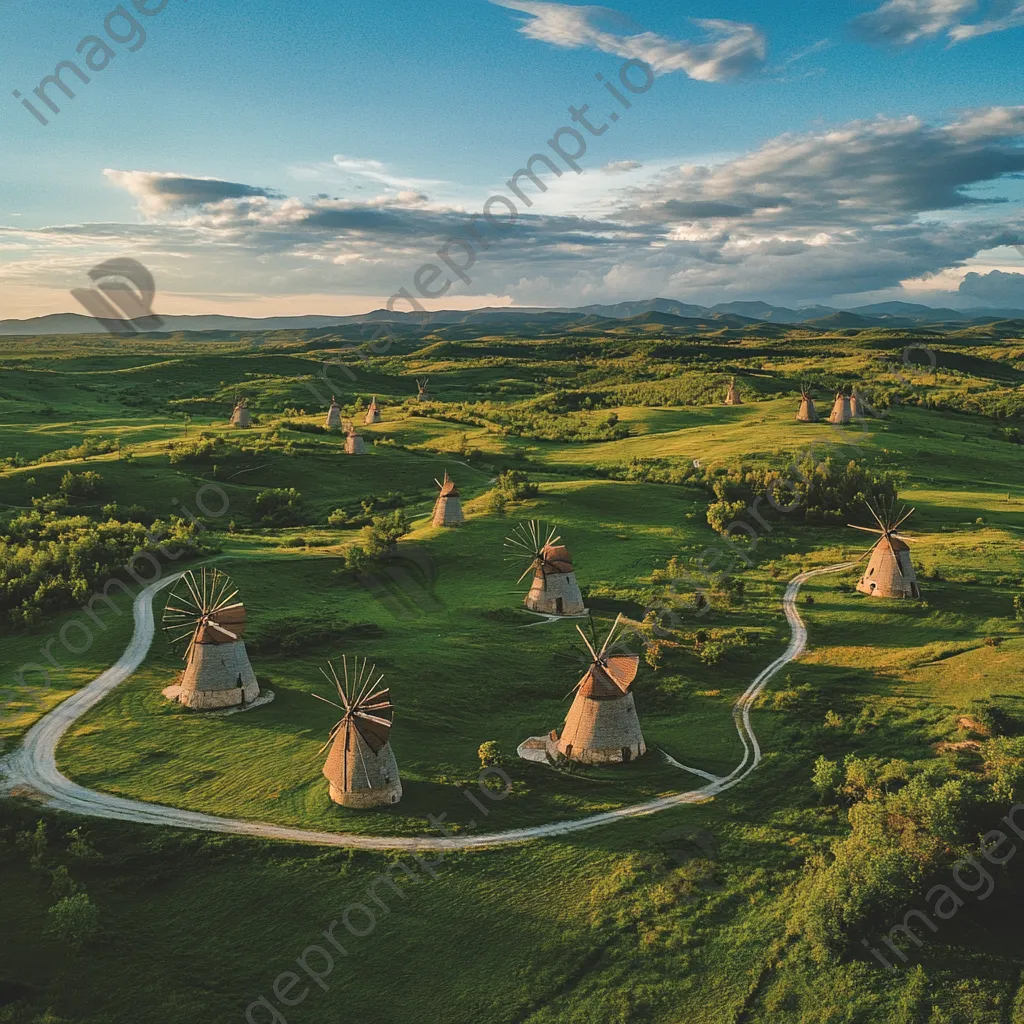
[730,49]
[902,22]
[621,166]
[163,191]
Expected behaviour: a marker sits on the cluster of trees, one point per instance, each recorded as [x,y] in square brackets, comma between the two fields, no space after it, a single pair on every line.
[50,562]
[909,824]
[812,490]
[73,919]
[537,420]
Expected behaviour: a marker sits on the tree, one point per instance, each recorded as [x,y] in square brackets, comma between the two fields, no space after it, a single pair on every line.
[722,514]
[490,754]
[74,920]
[385,531]
[826,778]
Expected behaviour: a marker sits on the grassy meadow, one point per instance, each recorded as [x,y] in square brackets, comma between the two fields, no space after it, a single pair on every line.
[682,916]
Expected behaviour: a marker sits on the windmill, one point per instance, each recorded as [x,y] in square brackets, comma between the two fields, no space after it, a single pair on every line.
[806,413]
[240,417]
[841,410]
[448,507]
[372,412]
[890,571]
[333,421]
[353,441]
[361,766]
[554,590]
[732,396]
[856,405]
[421,385]
[602,725]
[203,610]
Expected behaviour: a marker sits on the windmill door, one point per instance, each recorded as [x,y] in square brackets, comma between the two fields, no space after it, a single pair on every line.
[627,755]
[558,606]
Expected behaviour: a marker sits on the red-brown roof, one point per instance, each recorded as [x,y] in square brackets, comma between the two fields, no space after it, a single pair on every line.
[557,559]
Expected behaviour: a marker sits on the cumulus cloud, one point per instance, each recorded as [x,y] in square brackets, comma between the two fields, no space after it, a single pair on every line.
[163,191]
[730,49]
[993,289]
[902,22]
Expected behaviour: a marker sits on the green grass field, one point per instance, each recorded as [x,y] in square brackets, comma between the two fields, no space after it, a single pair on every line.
[648,920]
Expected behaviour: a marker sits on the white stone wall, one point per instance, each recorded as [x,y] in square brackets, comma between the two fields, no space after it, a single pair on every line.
[218,676]
[598,731]
[546,592]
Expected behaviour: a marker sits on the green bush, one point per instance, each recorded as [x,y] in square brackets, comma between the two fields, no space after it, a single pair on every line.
[74,920]
[280,506]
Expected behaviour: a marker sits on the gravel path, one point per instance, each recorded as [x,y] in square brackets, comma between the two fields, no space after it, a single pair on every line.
[33,766]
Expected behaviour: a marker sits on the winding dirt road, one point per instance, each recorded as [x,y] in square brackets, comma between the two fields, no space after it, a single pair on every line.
[34,766]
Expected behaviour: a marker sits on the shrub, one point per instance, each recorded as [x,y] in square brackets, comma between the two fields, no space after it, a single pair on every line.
[280,506]
[80,485]
[339,517]
[490,754]
[833,720]
[515,485]
[74,920]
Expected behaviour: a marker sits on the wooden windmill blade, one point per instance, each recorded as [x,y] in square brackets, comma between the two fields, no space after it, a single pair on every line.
[203,609]
[526,541]
[903,519]
[866,529]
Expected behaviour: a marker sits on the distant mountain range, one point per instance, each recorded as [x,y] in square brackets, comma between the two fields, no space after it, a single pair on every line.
[676,314]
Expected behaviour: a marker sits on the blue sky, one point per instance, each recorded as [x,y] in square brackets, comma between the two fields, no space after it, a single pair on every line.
[798,152]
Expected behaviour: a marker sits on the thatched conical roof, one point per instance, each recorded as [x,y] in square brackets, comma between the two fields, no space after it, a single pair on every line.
[372,412]
[856,405]
[732,396]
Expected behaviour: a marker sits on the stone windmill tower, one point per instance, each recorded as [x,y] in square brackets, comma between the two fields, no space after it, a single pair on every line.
[890,572]
[372,412]
[448,507]
[732,396]
[202,608]
[602,725]
[333,421]
[806,413]
[361,766]
[423,395]
[554,590]
[353,441]
[240,417]
[841,410]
